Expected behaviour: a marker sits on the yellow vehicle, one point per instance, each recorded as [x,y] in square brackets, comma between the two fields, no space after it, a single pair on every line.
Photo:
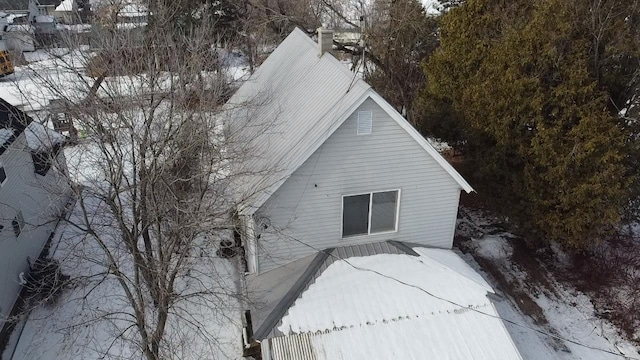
[6,67]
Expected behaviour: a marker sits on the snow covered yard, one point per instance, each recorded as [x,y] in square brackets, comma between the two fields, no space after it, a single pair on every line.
[92,318]
[545,304]
[25,89]
[91,315]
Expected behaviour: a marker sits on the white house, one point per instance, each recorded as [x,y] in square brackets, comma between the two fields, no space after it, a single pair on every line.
[336,173]
[33,193]
[333,163]
[67,12]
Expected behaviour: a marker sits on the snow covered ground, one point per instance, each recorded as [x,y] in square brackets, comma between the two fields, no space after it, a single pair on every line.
[431,6]
[29,86]
[90,319]
[24,88]
[85,322]
[570,314]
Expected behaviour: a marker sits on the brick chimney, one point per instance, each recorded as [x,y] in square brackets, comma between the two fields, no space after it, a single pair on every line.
[325,40]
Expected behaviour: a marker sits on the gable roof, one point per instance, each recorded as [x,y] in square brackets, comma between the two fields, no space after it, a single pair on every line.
[334,317]
[13,122]
[289,107]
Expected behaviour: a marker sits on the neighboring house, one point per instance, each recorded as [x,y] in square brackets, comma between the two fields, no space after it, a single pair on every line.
[31,7]
[30,22]
[33,193]
[133,13]
[67,12]
[348,217]
[126,14]
[47,7]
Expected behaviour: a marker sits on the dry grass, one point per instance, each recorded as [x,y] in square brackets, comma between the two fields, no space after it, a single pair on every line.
[610,274]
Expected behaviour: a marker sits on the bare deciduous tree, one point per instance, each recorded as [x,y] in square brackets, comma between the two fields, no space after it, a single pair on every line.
[151,171]
[394,38]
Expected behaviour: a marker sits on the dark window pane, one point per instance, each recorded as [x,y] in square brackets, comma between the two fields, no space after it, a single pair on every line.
[383,213]
[18,223]
[3,175]
[41,162]
[355,215]
[16,227]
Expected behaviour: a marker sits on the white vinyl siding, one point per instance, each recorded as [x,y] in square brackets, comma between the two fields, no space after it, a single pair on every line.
[305,213]
[40,200]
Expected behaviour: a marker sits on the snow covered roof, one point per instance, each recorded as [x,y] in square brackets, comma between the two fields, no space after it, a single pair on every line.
[12,123]
[289,108]
[65,5]
[46,19]
[5,135]
[275,291]
[42,138]
[390,306]
[132,9]
[26,28]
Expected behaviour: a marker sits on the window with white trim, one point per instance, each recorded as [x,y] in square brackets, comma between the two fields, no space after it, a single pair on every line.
[3,175]
[370,213]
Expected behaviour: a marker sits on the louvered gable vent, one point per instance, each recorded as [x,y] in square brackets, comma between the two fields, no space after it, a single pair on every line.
[365,122]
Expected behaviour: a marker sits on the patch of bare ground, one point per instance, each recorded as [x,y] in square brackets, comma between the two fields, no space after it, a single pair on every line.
[520,275]
[607,276]
[506,284]
[610,274]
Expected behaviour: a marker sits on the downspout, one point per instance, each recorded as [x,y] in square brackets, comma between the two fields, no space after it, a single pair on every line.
[250,346]
[266,349]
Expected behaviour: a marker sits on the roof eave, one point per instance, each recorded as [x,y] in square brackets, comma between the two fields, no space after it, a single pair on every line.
[464,185]
[251,206]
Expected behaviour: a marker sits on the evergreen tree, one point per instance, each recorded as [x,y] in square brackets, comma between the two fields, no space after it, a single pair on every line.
[532,90]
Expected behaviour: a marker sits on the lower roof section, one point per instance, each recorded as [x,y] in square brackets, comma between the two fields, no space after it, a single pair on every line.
[387,301]
[463,335]
[272,293]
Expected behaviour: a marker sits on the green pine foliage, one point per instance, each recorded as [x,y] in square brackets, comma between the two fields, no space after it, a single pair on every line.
[531,90]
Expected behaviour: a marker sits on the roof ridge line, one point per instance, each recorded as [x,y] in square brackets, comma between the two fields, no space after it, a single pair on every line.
[459,311]
[292,295]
